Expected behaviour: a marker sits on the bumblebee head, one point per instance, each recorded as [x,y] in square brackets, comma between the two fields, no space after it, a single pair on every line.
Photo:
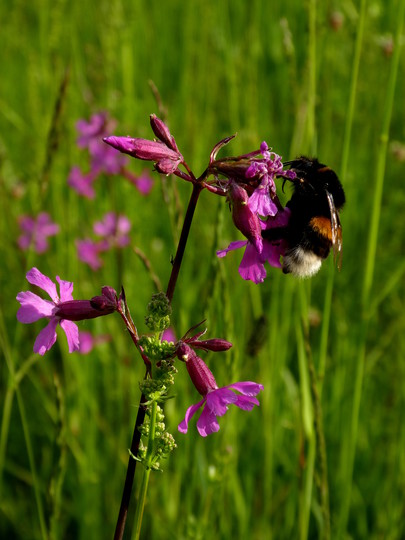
[314,178]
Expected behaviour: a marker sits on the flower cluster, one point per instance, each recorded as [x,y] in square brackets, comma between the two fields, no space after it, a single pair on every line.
[251,191]
[112,232]
[103,160]
[35,232]
[248,181]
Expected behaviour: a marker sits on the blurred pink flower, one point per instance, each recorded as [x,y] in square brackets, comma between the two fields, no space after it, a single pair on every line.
[82,183]
[89,132]
[143,183]
[89,251]
[169,335]
[114,228]
[103,158]
[87,341]
[113,231]
[35,231]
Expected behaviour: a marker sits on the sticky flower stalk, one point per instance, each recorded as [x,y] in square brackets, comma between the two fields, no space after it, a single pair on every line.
[124,312]
[129,479]
[146,473]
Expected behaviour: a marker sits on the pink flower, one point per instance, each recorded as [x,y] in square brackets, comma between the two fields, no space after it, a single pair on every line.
[82,183]
[169,335]
[34,308]
[105,159]
[62,311]
[36,231]
[266,170]
[143,183]
[215,400]
[98,125]
[89,251]
[114,229]
[88,341]
[114,232]
[252,264]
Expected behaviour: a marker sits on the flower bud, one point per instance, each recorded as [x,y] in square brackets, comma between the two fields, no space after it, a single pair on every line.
[214,345]
[108,300]
[162,132]
[244,219]
[142,148]
[200,374]
[78,310]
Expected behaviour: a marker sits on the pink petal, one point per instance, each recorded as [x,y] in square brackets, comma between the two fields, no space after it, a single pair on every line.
[144,183]
[88,252]
[261,203]
[86,342]
[123,224]
[207,423]
[72,334]
[183,426]
[106,226]
[251,267]
[33,307]
[41,244]
[272,252]
[247,388]
[26,223]
[66,289]
[218,400]
[246,402]
[46,338]
[232,246]
[24,241]
[35,277]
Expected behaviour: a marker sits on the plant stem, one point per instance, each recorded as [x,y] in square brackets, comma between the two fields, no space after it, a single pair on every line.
[197,188]
[136,438]
[150,452]
[129,479]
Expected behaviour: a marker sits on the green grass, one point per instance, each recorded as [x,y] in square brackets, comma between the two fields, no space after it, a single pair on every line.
[273,71]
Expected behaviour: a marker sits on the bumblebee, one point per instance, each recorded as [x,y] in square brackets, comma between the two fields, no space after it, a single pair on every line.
[314,225]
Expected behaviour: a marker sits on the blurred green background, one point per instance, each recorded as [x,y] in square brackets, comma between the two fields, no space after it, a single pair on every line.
[284,72]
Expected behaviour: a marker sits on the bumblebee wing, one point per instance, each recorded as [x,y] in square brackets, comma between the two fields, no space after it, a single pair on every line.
[336,231]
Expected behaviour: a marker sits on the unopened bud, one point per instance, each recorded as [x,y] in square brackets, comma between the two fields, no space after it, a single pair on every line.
[79,310]
[214,345]
[162,132]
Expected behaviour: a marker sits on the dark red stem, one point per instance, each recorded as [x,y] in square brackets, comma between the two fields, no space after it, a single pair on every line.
[197,188]
[129,479]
